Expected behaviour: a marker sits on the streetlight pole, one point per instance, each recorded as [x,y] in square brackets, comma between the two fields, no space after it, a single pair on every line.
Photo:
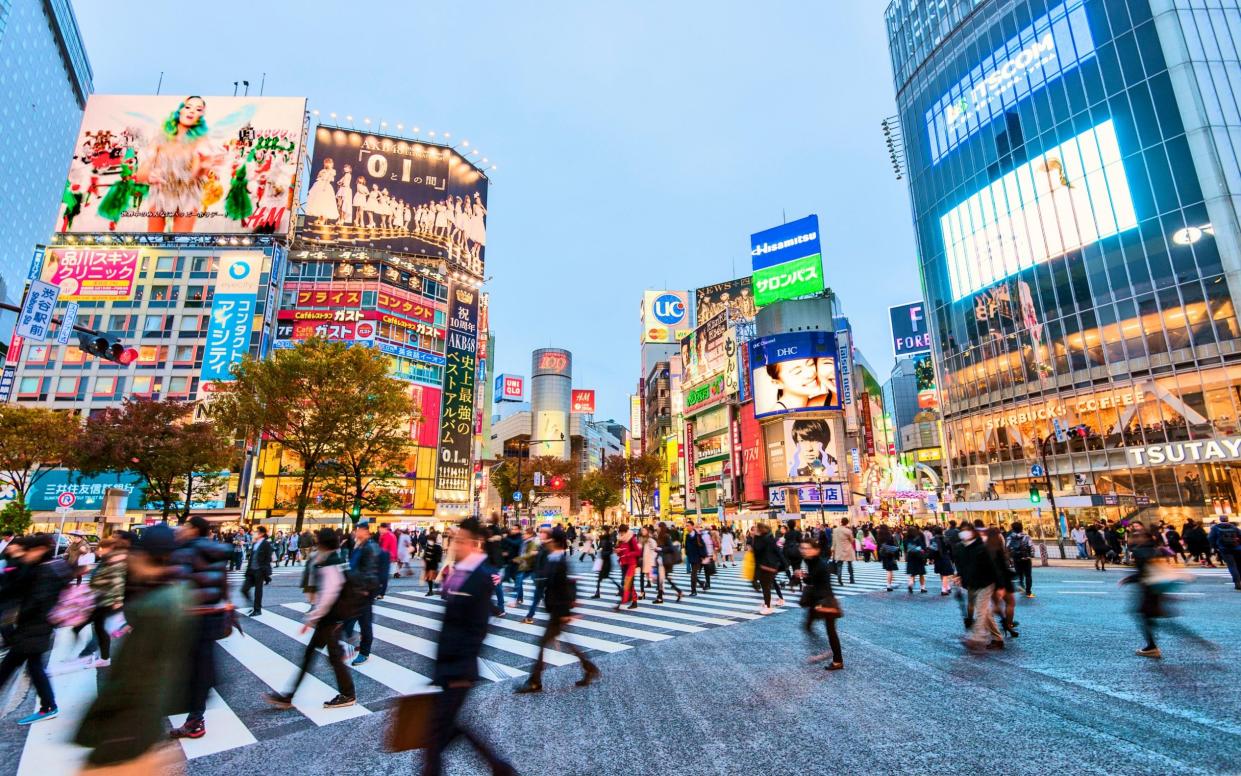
[1051,492]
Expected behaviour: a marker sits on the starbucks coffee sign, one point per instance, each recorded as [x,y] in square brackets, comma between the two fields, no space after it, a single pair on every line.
[1198,451]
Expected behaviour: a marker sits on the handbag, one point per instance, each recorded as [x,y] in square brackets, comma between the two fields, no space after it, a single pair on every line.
[747,566]
[597,566]
[411,723]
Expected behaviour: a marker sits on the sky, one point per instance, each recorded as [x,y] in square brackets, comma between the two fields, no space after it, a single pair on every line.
[637,144]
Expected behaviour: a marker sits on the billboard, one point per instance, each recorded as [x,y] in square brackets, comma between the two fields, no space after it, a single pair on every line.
[924,380]
[702,351]
[396,194]
[455,469]
[349,326]
[734,296]
[813,449]
[910,332]
[665,317]
[550,427]
[510,388]
[787,261]
[583,401]
[794,372]
[552,361]
[232,314]
[705,394]
[635,417]
[202,165]
[91,274]
[827,494]
[753,463]
[1064,199]
[1041,52]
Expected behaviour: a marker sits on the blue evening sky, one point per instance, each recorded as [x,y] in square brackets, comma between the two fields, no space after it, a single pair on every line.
[638,144]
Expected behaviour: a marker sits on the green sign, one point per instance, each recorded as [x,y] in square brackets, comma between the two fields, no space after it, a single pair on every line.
[704,393]
[799,277]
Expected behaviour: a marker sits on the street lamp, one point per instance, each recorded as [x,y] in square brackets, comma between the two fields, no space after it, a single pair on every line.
[818,471]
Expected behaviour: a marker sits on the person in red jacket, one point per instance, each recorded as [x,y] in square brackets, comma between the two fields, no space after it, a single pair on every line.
[628,555]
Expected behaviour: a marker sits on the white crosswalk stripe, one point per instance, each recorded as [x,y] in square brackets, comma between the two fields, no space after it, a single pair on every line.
[406,628]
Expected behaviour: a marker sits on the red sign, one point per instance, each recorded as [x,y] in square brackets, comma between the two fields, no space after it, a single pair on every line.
[753,462]
[556,362]
[327,296]
[424,430]
[584,401]
[331,330]
[405,304]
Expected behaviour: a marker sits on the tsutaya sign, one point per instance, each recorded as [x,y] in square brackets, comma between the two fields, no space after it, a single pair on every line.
[1204,450]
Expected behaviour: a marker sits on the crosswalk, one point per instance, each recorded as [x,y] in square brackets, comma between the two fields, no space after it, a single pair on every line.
[406,627]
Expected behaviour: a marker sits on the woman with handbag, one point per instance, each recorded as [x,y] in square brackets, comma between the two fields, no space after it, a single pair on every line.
[768,560]
[668,559]
[915,557]
[888,552]
[820,603]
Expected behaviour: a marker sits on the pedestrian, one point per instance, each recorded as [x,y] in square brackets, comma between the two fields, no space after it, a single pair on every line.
[843,551]
[364,575]
[333,598]
[539,547]
[914,545]
[728,546]
[1079,538]
[629,556]
[1173,539]
[669,557]
[792,551]
[559,597]
[305,543]
[291,549]
[820,603]
[1005,588]
[258,571]
[30,587]
[203,564]
[387,554]
[1021,551]
[107,583]
[587,546]
[940,554]
[980,576]
[432,555]
[868,545]
[527,555]
[603,564]
[695,554]
[650,559]
[467,610]
[1225,539]
[888,552]
[510,552]
[404,553]
[147,682]
[767,562]
[1116,545]
[1197,543]
[1098,546]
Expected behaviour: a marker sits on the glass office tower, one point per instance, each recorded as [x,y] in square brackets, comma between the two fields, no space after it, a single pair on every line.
[1074,176]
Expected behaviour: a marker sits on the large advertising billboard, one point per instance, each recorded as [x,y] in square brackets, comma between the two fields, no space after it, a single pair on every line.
[734,296]
[665,317]
[1041,52]
[396,194]
[787,261]
[1066,198]
[583,400]
[910,332]
[202,165]
[813,449]
[794,372]
[92,274]
[510,388]
[454,470]
[232,314]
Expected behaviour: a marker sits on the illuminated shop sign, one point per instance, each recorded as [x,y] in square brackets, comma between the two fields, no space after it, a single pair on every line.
[1073,195]
[1201,451]
[1054,409]
[1053,45]
[910,333]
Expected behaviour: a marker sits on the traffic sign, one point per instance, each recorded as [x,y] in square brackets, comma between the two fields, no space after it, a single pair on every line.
[517,496]
[1036,470]
[66,499]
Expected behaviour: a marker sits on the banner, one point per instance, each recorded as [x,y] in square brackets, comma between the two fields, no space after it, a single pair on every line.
[665,317]
[92,274]
[232,314]
[753,463]
[396,194]
[736,297]
[454,471]
[584,401]
[202,165]
[794,372]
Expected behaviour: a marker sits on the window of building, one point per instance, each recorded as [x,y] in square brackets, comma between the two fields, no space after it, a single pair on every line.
[142,385]
[184,354]
[36,354]
[28,386]
[195,294]
[189,323]
[165,263]
[178,386]
[73,355]
[67,386]
[105,385]
[153,323]
[160,293]
[118,323]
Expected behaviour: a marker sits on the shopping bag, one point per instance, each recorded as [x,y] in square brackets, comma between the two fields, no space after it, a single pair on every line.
[597,565]
[747,566]
[410,727]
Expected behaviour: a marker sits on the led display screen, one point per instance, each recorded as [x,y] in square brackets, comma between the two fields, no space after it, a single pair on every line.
[1068,197]
[1054,44]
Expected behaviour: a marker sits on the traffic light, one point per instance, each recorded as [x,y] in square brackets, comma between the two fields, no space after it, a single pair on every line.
[1035,496]
[108,347]
[356,512]
[557,483]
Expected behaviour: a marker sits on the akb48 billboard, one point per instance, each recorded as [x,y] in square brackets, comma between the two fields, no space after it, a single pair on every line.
[184,164]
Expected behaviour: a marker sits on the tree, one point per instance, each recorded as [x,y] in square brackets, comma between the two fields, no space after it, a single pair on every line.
[179,461]
[504,477]
[33,442]
[15,517]
[311,400]
[640,474]
[600,490]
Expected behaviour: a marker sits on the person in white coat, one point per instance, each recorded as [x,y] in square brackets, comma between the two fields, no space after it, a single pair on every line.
[843,550]
[727,546]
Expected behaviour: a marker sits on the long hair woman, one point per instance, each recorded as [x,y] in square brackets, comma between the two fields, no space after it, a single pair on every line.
[1005,598]
[888,552]
[176,168]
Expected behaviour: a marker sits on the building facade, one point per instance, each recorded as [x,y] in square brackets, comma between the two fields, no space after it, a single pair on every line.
[47,80]
[1073,172]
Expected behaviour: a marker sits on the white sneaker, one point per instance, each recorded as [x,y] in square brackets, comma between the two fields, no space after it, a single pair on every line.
[766,610]
[779,602]
[350,650]
[102,663]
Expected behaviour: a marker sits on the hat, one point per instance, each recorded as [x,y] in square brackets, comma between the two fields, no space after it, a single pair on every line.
[159,540]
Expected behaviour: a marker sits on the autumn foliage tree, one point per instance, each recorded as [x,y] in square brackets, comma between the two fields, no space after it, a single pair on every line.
[33,442]
[640,474]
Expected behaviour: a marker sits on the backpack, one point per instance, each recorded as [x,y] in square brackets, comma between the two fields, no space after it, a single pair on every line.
[913,551]
[1019,547]
[1229,537]
[73,608]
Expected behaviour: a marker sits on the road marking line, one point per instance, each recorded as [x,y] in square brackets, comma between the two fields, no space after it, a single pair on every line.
[227,731]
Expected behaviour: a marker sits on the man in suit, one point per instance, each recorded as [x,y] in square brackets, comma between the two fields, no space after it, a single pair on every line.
[695,554]
[561,597]
[258,570]
[467,595]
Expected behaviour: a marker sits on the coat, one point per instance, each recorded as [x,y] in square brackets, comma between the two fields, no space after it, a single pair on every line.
[842,544]
[467,611]
[558,593]
[767,553]
[34,590]
[628,553]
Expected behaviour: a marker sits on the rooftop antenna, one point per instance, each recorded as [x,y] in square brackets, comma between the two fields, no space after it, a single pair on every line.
[247,85]
[262,84]
[160,85]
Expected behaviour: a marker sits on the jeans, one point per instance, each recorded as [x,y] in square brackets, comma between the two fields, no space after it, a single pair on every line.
[325,636]
[445,729]
[1025,573]
[534,603]
[365,622]
[1081,551]
[519,581]
[840,571]
[34,667]
[1233,561]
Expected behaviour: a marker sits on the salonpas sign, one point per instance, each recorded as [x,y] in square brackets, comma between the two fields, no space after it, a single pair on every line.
[788,280]
[1228,449]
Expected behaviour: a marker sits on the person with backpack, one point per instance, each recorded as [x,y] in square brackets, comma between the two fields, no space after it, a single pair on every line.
[888,553]
[364,573]
[1021,551]
[1225,539]
[767,562]
[334,598]
[432,556]
[820,603]
[914,545]
[669,559]
[559,597]
[33,588]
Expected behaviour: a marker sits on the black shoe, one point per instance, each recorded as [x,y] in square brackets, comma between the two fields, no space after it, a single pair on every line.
[528,688]
[193,728]
[679,596]
[658,601]
[1014,634]
[969,622]
[632,605]
[340,702]
[835,666]
[995,644]
[255,612]
[277,699]
[590,673]
[596,595]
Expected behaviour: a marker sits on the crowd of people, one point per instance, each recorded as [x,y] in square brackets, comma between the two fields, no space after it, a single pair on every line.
[165,594]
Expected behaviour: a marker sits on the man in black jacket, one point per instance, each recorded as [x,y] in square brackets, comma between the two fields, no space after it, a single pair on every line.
[204,565]
[695,554]
[364,572]
[560,595]
[32,586]
[467,595]
[979,575]
[258,570]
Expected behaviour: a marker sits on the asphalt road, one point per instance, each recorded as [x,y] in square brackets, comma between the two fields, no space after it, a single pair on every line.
[1068,696]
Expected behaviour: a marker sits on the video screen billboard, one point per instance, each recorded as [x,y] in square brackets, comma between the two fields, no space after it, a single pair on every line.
[167,163]
[1066,198]
[910,332]
[924,378]
[813,449]
[665,317]
[396,194]
[735,296]
[794,372]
